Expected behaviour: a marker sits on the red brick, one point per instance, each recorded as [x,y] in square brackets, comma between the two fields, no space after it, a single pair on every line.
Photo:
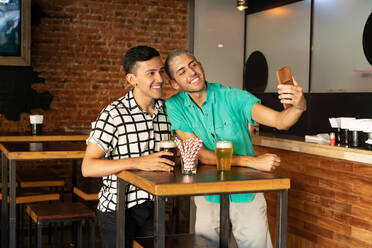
[80,44]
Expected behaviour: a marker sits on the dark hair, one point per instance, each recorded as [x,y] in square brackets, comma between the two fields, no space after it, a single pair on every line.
[173,55]
[138,53]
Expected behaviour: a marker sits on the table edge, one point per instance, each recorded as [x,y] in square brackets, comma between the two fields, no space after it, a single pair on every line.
[201,188]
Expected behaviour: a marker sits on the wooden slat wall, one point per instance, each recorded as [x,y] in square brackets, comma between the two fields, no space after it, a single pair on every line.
[329,203]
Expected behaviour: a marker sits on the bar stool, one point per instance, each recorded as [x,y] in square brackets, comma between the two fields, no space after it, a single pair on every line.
[88,189]
[60,213]
[27,196]
[31,196]
[27,178]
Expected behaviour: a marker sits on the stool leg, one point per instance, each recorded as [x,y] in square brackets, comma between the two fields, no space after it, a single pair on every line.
[39,235]
[55,234]
[62,232]
[86,230]
[22,223]
[50,228]
[79,234]
[18,223]
[29,231]
[73,233]
[92,233]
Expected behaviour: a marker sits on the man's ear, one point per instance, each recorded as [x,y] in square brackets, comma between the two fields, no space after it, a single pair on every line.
[131,78]
[174,84]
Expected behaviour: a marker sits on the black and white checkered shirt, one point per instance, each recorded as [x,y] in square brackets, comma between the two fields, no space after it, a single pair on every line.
[123,130]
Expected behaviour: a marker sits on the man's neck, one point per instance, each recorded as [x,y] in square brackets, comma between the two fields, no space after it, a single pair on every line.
[198,97]
[146,103]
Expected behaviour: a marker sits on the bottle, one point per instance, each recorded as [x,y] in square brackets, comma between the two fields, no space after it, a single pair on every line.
[332,138]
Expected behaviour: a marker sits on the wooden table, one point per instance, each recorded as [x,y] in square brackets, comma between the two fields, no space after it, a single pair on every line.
[47,136]
[206,181]
[18,151]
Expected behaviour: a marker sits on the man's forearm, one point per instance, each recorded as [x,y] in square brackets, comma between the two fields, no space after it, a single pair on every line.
[289,117]
[94,167]
[264,162]
[208,157]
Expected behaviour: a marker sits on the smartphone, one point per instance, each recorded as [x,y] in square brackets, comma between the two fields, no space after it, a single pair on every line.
[284,76]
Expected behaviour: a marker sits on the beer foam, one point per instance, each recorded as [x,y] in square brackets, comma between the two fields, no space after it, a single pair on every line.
[168,144]
[224,144]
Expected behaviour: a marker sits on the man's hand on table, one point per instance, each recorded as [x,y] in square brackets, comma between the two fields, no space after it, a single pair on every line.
[265,162]
[154,162]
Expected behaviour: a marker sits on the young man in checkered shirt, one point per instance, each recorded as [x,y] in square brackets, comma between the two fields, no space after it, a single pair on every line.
[126,136]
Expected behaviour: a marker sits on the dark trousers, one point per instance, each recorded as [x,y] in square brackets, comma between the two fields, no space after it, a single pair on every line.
[139,222]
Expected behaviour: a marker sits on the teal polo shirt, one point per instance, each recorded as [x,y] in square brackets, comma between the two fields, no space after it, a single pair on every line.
[224,115]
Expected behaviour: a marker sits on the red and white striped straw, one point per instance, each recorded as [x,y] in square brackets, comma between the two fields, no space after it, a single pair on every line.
[189,149]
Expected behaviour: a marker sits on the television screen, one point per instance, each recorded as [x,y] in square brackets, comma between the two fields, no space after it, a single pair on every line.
[10,28]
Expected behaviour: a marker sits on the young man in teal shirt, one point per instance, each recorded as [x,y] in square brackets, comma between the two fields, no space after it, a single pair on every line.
[214,112]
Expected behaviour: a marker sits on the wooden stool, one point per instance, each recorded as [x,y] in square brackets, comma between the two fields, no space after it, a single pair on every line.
[31,196]
[25,196]
[29,179]
[88,189]
[59,213]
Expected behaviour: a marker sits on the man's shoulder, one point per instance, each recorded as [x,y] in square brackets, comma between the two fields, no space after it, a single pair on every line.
[221,86]
[176,98]
[228,89]
[218,87]
[116,107]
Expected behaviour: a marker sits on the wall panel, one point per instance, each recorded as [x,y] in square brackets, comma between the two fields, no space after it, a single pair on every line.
[337,46]
[219,41]
[283,35]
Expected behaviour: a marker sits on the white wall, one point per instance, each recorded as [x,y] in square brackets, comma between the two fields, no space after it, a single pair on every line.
[218,22]
[283,35]
[337,46]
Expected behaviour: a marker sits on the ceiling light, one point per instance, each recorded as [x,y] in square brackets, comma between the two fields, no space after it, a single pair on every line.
[242,5]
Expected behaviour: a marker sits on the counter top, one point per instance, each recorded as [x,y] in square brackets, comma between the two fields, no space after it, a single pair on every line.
[298,144]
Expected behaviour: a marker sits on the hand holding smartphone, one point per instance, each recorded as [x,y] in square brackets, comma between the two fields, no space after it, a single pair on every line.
[284,76]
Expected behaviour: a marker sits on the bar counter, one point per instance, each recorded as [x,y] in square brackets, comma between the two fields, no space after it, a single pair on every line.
[298,144]
[330,200]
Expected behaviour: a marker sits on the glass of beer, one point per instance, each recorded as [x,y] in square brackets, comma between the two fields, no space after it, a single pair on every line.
[169,146]
[224,150]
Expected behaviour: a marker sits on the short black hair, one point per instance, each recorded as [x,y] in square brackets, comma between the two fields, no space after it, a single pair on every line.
[138,53]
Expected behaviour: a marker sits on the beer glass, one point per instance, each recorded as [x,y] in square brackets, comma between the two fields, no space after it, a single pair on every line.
[169,146]
[36,122]
[224,150]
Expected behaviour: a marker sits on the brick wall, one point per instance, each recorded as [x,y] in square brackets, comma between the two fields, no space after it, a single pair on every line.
[78,48]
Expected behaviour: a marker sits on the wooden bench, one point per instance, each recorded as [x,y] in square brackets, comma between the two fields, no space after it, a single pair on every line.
[176,240]
[60,213]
